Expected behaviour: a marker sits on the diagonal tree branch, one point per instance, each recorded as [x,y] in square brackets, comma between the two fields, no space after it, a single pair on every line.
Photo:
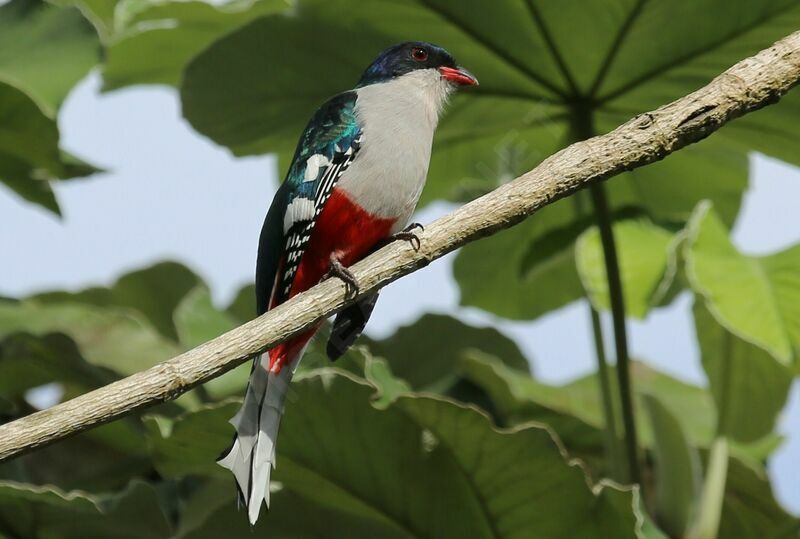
[749,85]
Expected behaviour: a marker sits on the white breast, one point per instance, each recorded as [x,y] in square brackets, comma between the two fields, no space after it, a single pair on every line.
[398,119]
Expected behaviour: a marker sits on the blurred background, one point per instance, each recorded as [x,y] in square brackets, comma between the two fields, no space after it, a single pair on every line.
[186,169]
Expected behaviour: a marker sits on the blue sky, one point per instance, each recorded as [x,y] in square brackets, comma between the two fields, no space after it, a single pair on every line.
[171,194]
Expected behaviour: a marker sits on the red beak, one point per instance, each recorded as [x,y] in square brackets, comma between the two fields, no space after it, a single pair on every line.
[458,75]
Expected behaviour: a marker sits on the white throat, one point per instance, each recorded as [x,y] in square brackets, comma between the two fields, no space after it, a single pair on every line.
[419,94]
[398,119]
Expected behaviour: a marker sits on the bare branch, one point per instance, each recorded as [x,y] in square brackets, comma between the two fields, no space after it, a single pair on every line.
[749,85]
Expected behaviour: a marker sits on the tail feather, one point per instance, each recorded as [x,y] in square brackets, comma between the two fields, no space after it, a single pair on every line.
[251,457]
[348,326]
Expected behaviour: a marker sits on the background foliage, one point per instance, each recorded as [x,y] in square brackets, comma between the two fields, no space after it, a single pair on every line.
[440,429]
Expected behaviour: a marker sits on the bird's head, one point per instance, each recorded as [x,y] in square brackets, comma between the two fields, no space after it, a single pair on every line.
[415,57]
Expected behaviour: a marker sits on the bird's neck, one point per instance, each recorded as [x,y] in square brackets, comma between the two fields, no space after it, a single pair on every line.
[415,99]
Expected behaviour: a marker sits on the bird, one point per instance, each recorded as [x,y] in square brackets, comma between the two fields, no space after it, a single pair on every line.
[354,181]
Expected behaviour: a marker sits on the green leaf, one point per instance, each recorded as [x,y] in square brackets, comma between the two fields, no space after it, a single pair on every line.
[573,411]
[191,443]
[45,50]
[427,353]
[755,298]
[499,487]
[647,260]
[550,282]
[447,455]
[544,245]
[750,510]
[153,42]
[154,292]
[109,337]
[242,91]
[99,12]
[197,319]
[102,460]
[223,83]
[518,397]
[520,113]
[318,520]
[36,192]
[27,362]
[31,511]
[677,469]
[29,153]
[99,459]
[389,388]
[737,368]
[243,306]
[658,62]
[29,139]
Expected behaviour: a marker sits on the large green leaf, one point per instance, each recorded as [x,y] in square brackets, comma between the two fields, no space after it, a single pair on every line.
[100,13]
[153,292]
[29,153]
[198,321]
[45,50]
[757,298]
[499,287]
[573,411]
[533,59]
[749,510]
[29,511]
[541,66]
[92,462]
[243,306]
[673,48]
[677,469]
[428,352]
[520,113]
[27,362]
[544,246]
[191,443]
[749,387]
[152,41]
[318,520]
[518,397]
[102,458]
[422,466]
[110,337]
[647,260]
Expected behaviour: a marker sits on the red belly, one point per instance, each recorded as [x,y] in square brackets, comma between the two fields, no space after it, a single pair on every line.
[345,229]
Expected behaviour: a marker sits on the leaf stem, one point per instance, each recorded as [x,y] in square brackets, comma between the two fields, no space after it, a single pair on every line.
[707,523]
[615,456]
[620,337]
[709,514]
[614,453]
[583,128]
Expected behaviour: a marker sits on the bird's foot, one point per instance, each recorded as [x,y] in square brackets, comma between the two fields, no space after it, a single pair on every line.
[338,269]
[408,234]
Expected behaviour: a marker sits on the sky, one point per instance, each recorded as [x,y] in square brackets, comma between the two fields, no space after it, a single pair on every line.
[169,193]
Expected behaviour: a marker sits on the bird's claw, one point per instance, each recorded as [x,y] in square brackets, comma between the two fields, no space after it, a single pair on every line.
[338,269]
[408,234]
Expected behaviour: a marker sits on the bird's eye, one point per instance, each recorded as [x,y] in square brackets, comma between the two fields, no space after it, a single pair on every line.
[419,54]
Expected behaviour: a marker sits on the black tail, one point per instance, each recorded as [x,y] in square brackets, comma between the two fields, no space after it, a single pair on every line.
[349,325]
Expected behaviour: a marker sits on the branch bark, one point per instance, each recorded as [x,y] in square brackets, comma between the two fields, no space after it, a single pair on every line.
[747,86]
